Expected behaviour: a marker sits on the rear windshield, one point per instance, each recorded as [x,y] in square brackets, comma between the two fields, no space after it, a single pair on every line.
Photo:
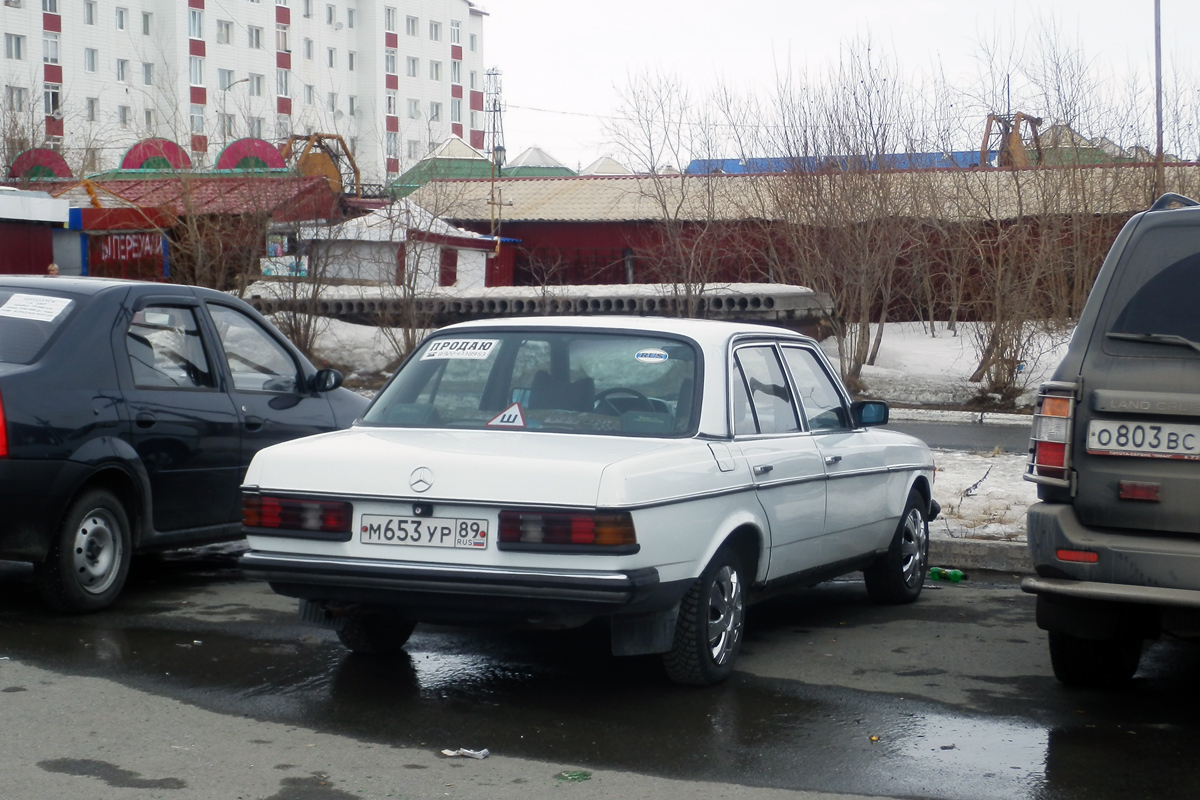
[603,383]
[1162,284]
[27,322]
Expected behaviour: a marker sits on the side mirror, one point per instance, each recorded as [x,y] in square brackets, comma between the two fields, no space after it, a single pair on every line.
[869,413]
[325,380]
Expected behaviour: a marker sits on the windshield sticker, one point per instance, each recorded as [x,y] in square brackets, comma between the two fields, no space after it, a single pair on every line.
[651,356]
[34,306]
[460,348]
[511,417]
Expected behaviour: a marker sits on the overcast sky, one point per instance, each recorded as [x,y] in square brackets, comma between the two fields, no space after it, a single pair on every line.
[564,62]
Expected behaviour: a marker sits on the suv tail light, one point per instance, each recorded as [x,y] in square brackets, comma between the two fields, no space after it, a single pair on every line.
[1050,445]
[3,431]
[292,514]
[531,530]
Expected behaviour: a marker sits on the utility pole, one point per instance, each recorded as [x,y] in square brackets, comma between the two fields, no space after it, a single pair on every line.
[1160,176]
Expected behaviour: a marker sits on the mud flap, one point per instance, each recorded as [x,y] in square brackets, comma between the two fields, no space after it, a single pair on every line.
[644,634]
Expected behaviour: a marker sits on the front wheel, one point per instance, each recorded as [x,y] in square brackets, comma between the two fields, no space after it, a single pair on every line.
[1095,663]
[898,575]
[375,631]
[712,616]
[89,559]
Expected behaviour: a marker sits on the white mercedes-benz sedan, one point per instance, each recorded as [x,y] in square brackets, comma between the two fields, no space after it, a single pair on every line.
[660,473]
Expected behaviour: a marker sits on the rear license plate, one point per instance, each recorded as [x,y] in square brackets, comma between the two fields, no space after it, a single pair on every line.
[1153,440]
[423,531]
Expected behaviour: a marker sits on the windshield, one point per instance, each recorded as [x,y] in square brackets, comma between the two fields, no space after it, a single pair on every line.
[605,383]
[27,321]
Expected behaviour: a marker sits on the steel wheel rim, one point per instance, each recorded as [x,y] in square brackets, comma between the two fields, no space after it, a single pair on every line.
[912,547]
[725,613]
[96,551]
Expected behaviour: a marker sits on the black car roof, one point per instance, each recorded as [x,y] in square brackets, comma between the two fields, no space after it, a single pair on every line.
[84,286]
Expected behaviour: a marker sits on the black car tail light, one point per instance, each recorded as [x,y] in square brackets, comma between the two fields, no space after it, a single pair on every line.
[596,530]
[289,513]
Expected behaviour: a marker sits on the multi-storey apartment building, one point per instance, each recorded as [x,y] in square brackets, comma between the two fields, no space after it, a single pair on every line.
[92,77]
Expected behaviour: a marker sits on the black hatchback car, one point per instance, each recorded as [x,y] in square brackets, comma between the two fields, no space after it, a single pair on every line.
[128,415]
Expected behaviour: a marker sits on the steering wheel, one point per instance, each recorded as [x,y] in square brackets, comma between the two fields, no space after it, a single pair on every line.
[640,401]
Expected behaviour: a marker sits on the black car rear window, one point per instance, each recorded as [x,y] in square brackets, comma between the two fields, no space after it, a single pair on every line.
[28,319]
[1162,284]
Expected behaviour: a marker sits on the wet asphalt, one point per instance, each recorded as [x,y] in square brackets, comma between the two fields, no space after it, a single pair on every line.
[949,698]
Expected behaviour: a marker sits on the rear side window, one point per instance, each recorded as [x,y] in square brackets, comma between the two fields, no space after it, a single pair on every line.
[27,322]
[165,350]
[1159,291]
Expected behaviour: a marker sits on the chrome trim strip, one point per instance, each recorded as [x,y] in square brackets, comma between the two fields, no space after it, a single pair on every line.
[256,558]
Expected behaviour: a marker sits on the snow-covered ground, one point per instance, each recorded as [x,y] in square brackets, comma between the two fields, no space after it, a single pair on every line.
[982,494]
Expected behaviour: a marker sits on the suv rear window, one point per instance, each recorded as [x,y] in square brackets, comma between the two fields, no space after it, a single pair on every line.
[1162,282]
[28,320]
[575,382]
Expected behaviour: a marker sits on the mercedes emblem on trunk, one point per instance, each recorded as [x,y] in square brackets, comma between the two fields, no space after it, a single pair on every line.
[421,479]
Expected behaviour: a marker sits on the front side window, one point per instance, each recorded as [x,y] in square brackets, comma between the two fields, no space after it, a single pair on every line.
[166,351]
[620,384]
[256,361]
[820,401]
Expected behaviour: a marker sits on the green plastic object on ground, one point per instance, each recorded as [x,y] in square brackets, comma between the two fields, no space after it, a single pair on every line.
[943,574]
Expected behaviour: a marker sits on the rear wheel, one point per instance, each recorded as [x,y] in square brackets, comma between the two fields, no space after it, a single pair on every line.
[375,631]
[712,616]
[88,561]
[898,575]
[1095,663]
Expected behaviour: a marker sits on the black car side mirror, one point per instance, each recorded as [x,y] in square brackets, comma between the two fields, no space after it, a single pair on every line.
[869,413]
[325,380]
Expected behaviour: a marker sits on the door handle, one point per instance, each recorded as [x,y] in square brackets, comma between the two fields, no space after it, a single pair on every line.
[763,469]
[832,459]
[254,423]
[145,420]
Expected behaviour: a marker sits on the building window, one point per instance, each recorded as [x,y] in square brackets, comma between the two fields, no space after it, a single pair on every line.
[350,59]
[49,48]
[50,6]
[350,15]
[256,85]
[474,43]
[16,98]
[256,127]
[283,126]
[308,8]
[225,125]
[122,17]
[330,14]
[474,120]
[309,94]
[89,12]
[455,32]
[93,108]
[389,62]
[224,31]
[352,105]
[147,73]
[147,22]
[308,49]
[123,71]
[474,79]
[281,39]
[456,72]
[435,70]
[196,23]
[195,70]
[435,112]
[411,66]
[330,57]
[197,117]
[224,79]
[414,109]
[123,114]
[390,103]
[91,56]
[393,144]
[254,34]
[389,19]
[435,31]
[52,98]
[331,102]
[412,26]
[14,46]
[413,148]
[283,83]
[148,118]
[455,110]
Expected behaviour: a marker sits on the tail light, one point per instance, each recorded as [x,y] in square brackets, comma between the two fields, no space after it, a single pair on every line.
[522,528]
[292,514]
[3,431]
[1051,432]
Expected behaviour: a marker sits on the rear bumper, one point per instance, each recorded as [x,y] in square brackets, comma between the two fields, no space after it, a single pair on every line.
[33,496]
[436,592]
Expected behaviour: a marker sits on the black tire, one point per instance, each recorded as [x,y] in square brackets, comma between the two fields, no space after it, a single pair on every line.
[1094,663]
[712,620]
[89,558]
[897,576]
[375,631]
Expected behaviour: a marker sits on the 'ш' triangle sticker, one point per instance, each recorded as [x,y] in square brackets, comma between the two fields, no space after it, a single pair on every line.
[511,417]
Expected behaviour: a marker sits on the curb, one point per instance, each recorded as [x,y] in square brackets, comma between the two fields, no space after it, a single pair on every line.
[980,554]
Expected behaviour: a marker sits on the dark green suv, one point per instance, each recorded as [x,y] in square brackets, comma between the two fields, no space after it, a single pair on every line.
[1115,452]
